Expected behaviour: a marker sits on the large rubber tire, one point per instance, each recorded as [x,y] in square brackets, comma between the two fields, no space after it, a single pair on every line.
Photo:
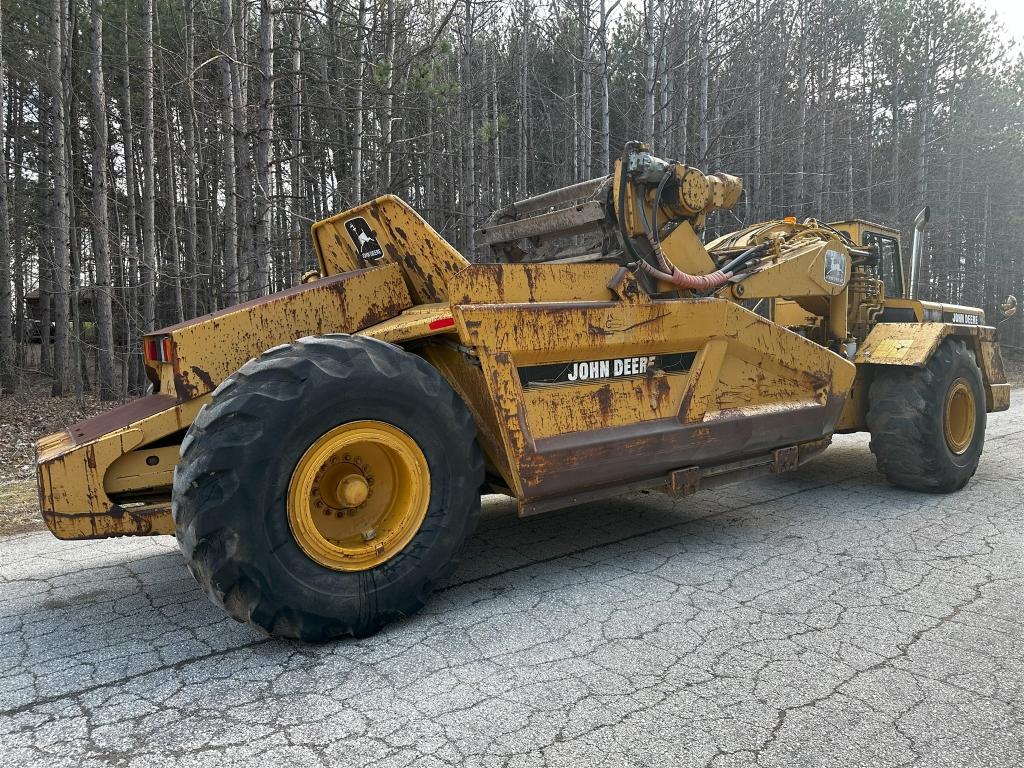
[231,485]
[906,414]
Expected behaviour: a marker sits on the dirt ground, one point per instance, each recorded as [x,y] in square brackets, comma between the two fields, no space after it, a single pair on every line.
[24,417]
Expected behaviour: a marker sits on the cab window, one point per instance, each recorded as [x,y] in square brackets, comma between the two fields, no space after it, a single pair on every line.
[888,262]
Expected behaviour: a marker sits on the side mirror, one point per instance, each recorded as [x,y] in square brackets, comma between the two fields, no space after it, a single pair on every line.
[1009,306]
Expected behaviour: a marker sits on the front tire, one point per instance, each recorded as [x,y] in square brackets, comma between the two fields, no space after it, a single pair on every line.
[928,424]
[327,488]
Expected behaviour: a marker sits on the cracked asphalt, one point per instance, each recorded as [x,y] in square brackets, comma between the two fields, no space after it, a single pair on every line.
[814,619]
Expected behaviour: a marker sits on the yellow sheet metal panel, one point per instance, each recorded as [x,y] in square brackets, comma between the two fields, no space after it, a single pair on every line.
[902,343]
[809,267]
[414,323]
[998,397]
[529,283]
[463,373]
[388,231]
[137,520]
[613,403]
[990,358]
[73,466]
[208,350]
[145,469]
[854,415]
[684,249]
[574,404]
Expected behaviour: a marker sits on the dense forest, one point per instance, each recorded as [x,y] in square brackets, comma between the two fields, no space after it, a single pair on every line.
[164,159]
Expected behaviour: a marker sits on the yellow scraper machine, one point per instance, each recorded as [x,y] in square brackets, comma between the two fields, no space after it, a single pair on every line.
[320,453]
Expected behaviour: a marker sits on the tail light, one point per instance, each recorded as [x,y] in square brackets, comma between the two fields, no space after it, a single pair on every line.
[158,349]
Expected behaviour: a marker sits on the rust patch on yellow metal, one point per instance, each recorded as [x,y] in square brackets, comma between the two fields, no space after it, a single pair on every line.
[79,468]
[529,283]
[141,520]
[413,323]
[427,260]
[749,384]
[464,375]
[913,344]
[910,344]
[209,349]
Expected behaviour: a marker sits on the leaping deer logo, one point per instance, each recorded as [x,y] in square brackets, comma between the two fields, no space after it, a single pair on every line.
[364,239]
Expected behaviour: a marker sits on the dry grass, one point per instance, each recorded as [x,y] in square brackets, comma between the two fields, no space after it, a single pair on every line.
[24,417]
[19,507]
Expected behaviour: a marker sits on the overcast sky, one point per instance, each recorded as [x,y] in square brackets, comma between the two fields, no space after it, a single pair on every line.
[1011,14]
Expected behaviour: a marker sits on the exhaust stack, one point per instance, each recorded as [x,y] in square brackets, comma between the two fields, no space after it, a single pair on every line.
[915,251]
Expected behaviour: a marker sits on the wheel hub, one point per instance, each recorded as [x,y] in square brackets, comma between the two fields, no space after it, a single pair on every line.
[358,495]
[959,416]
[353,490]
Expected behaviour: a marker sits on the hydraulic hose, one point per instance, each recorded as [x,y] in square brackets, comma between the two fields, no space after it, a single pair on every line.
[668,272]
[685,279]
[627,244]
[746,256]
[653,234]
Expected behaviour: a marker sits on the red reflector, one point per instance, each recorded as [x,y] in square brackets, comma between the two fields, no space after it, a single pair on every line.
[441,322]
[159,349]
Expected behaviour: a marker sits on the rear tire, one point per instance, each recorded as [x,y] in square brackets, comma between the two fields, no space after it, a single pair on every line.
[928,424]
[234,487]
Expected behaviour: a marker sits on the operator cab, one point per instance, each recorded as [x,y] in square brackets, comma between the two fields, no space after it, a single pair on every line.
[887,240]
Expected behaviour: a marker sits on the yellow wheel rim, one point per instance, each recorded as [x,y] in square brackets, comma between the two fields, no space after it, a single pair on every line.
[358,495]
[960,416]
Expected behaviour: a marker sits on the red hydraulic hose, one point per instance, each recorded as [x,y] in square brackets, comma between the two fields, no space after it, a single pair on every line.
[686,280]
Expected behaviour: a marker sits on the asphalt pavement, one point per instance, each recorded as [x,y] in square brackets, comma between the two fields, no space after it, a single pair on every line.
[813,619]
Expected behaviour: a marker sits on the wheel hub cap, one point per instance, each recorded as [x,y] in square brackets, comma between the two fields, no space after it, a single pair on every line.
[358,495]
[959,417]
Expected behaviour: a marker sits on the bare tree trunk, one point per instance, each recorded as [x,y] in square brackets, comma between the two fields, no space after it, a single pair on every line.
[264,136]
[188,126]
[148,270]
[524,111]
[18,227]
[8,377]
[246,254]
[100,235]
[61,224]
[357,131]
[232,284]
[705,87]
[496,136]
[174,257]
[606,155]
[684,96]
[134,372]
[586,12]
[754,198]
[468,195]
[295,172]
[387,113]
[649,72]
[664,83]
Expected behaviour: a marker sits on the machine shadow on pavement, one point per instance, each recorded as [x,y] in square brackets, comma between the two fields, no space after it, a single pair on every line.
[136,599]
